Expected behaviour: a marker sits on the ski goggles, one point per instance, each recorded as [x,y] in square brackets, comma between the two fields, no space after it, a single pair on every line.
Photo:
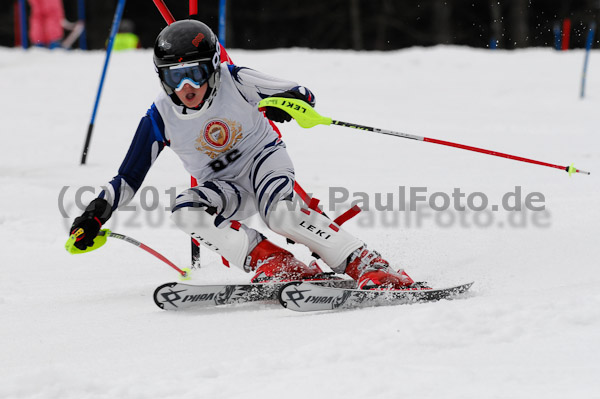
[193,73]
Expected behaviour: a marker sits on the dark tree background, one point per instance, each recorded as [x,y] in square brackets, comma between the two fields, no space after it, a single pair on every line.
[348,24]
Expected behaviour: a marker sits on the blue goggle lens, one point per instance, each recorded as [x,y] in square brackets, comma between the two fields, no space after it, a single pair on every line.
[173,75]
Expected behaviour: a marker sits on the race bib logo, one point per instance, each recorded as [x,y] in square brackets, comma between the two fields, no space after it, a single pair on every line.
[218,136]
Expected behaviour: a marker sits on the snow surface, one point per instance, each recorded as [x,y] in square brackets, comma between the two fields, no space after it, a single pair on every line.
[85,326]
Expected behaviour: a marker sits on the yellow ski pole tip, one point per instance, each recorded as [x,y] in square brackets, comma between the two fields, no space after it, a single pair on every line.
[187,274]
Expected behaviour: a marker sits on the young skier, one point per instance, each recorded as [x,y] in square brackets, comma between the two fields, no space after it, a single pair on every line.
[207,113]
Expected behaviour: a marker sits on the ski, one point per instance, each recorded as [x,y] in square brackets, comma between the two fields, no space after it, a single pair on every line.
[179,296]
[307,297]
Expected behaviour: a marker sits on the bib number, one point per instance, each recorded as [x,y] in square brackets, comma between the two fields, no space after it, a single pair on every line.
[221,163]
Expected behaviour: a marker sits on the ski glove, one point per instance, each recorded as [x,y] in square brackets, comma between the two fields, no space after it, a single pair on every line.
[279,115]
[94,216]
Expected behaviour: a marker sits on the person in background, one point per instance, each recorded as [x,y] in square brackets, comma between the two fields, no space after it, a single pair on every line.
[46,22]
[126,39]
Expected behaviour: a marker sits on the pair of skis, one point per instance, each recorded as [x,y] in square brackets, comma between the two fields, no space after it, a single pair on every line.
[301,296]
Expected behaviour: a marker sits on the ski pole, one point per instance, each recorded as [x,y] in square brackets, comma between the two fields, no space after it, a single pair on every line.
[307,117]
[113,32]
[100,240]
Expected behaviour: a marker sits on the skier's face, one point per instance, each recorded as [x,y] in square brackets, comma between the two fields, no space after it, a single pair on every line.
[191,97]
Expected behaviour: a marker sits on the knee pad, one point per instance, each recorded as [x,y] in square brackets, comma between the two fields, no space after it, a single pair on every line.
[232,240]
[196,197]
[222,196]
[316,231]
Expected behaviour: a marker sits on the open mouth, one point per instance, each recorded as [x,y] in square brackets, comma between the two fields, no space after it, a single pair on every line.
[190,96]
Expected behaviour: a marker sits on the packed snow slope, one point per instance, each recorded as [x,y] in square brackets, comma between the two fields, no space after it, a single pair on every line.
[85,326]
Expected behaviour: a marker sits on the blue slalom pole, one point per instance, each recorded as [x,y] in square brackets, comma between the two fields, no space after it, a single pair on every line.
[113,32]
[557,34]
[23,18]
[222,19]
[81,17]
[588,47]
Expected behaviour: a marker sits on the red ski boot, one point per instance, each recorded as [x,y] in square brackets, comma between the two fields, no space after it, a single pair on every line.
[273,263]
[372,272]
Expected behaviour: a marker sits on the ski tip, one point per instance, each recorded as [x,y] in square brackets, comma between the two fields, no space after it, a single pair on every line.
[280,296]
[157,293]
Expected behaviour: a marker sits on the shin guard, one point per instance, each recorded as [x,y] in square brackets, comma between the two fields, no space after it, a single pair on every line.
[316,231]
[232,241]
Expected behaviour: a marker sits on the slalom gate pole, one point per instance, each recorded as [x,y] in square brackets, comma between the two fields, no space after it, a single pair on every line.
[100,240]
[194,244]
[566,35]
[164,11]
[588,47]
[307,117]
[113,32]
[557,36]
[193,8]
[23,24]
[222,20]
[81,18]
[168,17]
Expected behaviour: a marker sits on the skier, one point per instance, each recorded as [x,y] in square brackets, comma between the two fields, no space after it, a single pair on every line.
[207,114]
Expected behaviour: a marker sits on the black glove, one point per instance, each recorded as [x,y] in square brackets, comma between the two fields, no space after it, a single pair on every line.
[94,216]
[279,115]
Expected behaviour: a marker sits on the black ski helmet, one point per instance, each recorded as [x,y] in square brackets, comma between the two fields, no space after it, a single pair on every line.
[188,41]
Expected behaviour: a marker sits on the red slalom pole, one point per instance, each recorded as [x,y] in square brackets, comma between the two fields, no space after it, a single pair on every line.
[166,14]
[164,11]
[193,7]
[566,34]
[195,245]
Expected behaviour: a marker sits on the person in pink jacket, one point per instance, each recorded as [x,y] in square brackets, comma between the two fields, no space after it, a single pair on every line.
[45,22]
